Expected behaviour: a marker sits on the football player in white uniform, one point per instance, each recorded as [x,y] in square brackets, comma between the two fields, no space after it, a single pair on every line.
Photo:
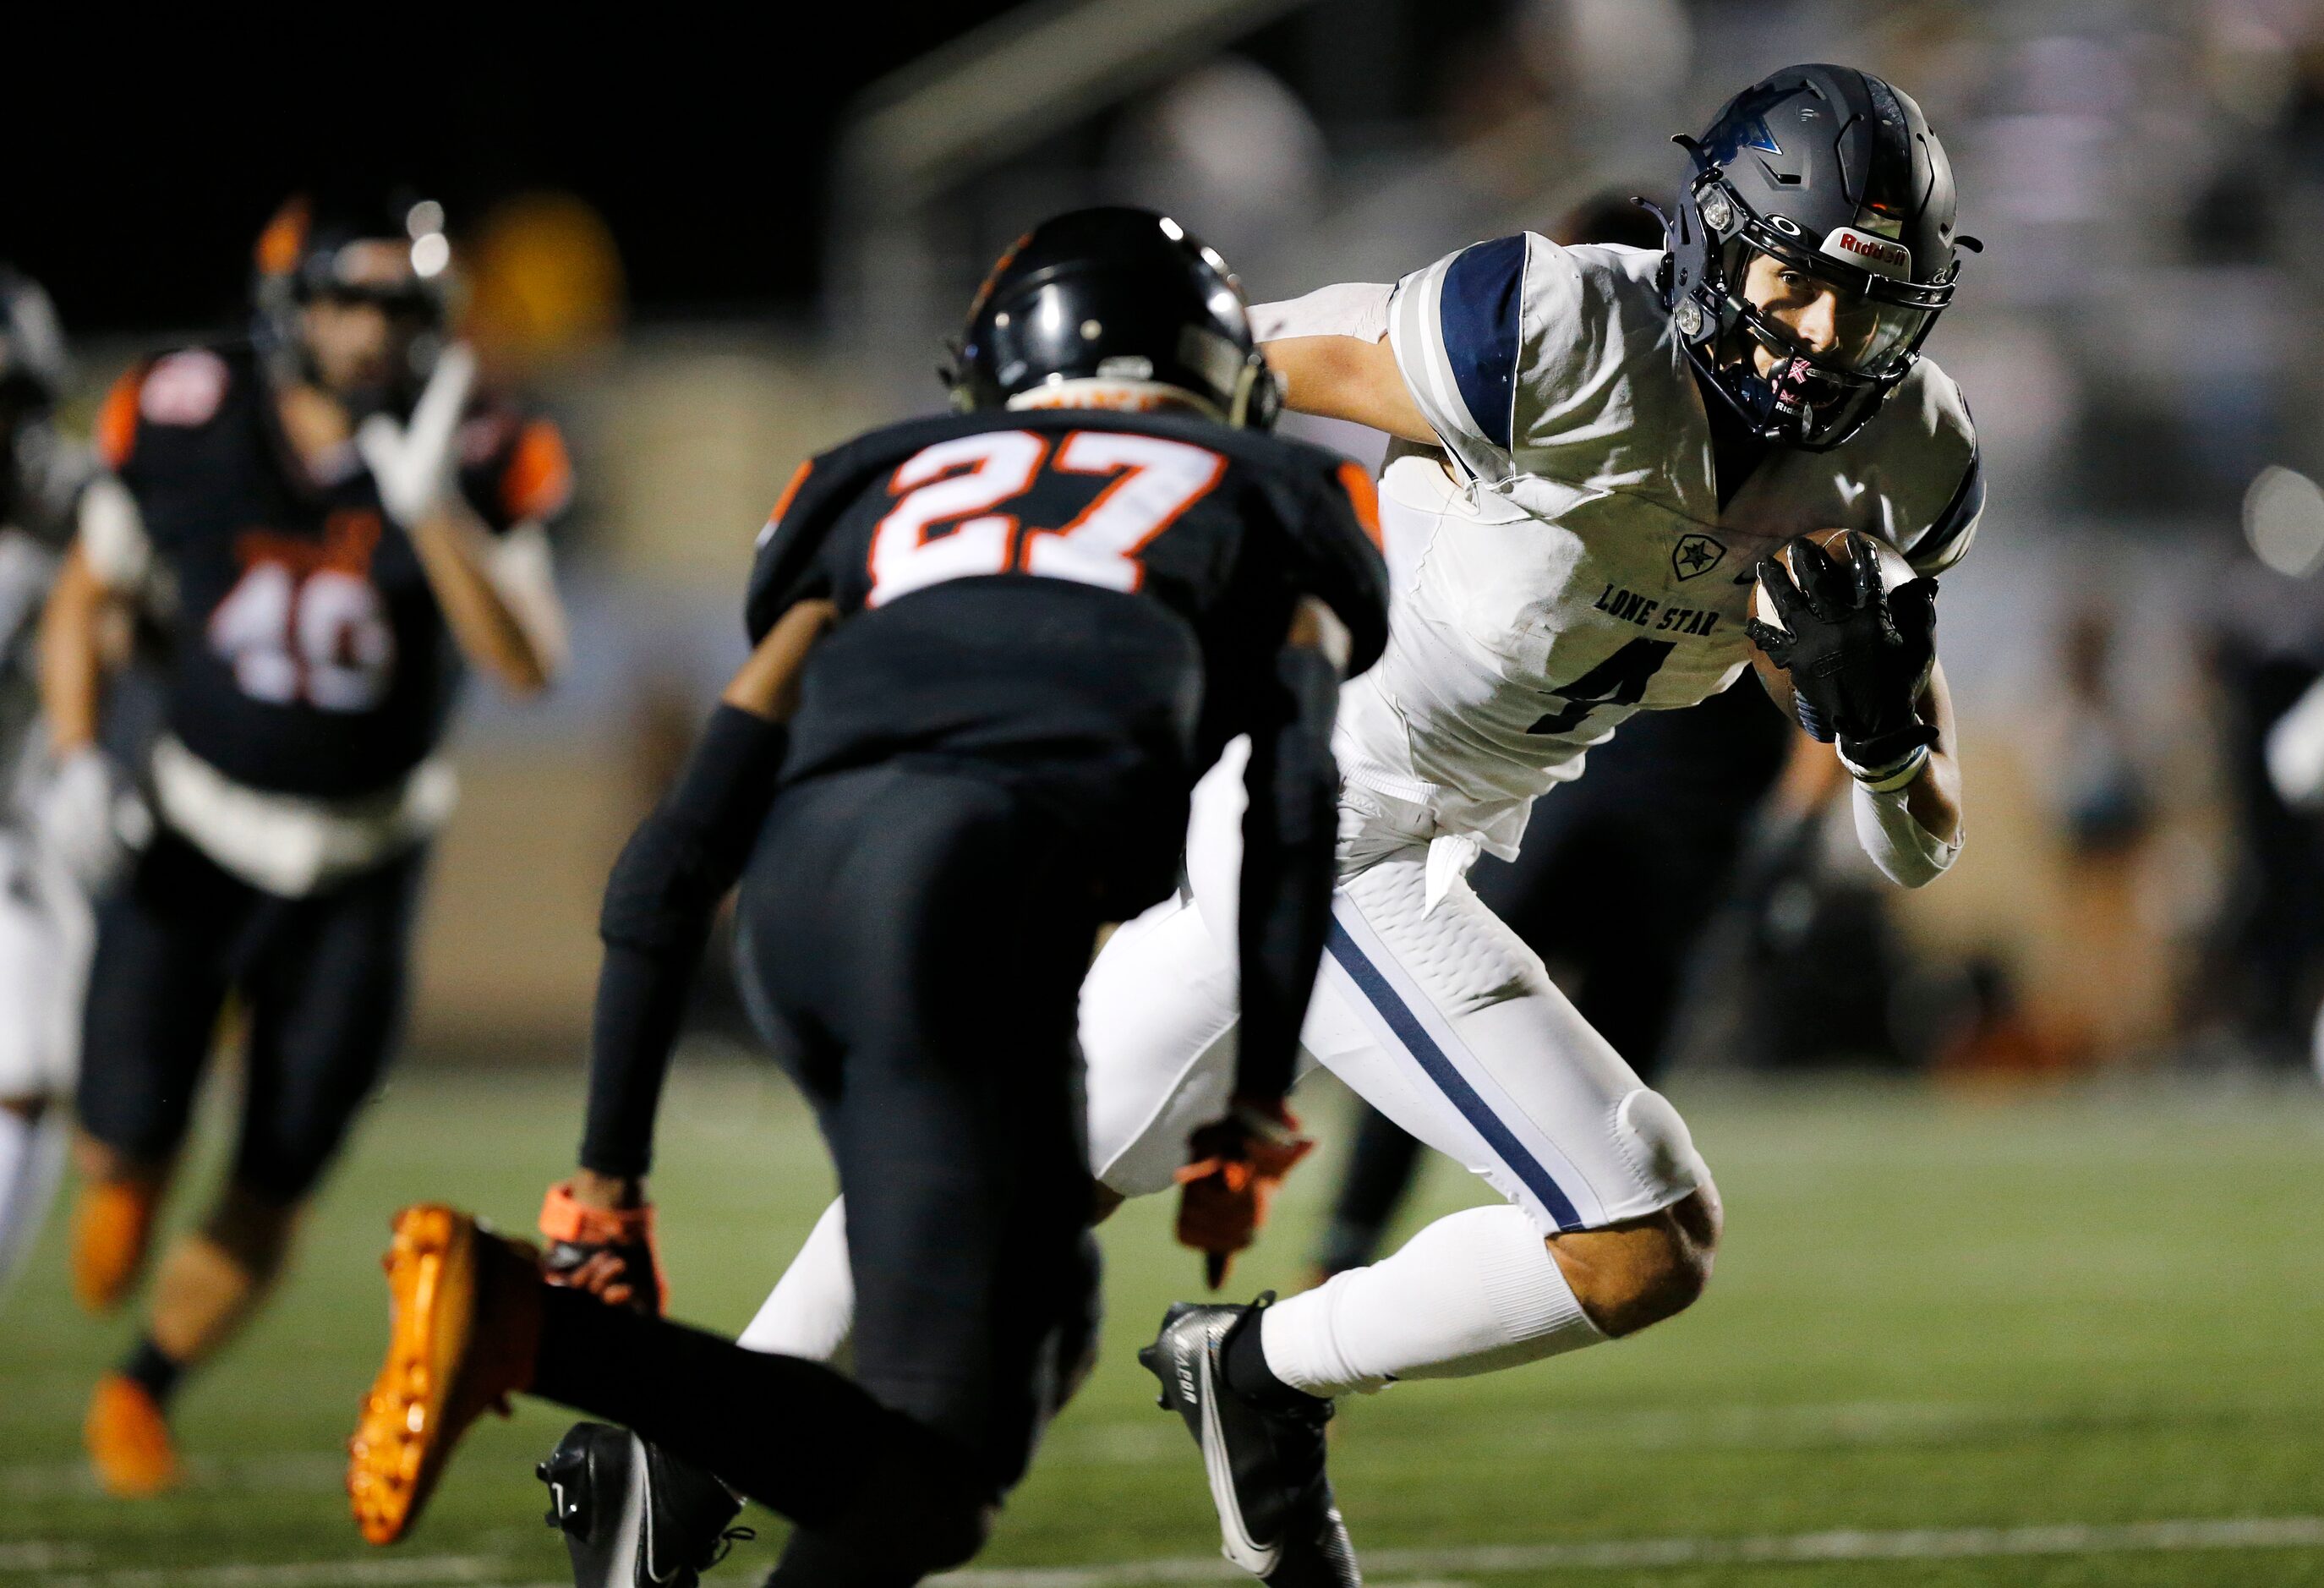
[44,922]
[1597,448]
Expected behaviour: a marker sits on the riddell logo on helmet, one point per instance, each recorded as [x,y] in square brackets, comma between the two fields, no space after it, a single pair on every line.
[1873,254]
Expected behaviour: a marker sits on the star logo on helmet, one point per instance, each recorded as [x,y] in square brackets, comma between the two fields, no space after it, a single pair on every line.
[1745,126]
[1695,554]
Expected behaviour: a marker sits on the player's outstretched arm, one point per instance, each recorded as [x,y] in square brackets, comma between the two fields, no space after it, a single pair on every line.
[488,621]
[676,868]
[503,611]
[1349,378]
[1288,830]
[1331,352]
[1288,833]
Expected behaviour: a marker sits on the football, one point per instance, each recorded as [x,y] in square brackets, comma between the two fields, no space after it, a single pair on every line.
[1840,544]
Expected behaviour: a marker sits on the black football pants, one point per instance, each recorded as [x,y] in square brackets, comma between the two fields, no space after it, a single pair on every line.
[912,943]
[322,981]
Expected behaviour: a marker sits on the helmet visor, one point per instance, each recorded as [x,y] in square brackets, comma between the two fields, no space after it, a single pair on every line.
[1843,319]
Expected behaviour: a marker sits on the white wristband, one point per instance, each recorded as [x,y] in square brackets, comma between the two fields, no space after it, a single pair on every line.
[1883,779]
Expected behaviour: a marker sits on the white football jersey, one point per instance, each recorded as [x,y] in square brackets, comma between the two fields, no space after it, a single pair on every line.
[1565,561]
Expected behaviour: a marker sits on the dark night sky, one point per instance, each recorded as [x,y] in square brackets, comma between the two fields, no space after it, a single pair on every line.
[146,158]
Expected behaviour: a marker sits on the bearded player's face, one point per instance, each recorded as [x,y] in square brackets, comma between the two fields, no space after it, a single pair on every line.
[359,331]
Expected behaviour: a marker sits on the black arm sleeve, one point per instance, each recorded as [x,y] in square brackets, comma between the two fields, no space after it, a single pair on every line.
[675,869]
[1287,834]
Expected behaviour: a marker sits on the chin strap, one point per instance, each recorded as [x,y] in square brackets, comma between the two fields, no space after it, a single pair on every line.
[1780,400]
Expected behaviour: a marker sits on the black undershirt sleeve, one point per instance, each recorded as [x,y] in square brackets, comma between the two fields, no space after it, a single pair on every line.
[1291,824]
[1288,830]
[659,902]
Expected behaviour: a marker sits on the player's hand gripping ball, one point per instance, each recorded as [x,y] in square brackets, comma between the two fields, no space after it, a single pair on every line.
[608,1252]
[1223,1192]
[1844,635]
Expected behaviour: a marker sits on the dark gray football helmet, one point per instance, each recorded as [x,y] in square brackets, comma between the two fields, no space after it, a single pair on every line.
[1828,170]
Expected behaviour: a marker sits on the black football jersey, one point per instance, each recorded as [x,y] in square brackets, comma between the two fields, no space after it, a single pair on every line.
[307,655]
[1085,603]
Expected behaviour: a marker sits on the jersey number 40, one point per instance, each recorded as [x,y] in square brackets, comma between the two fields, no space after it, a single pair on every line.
[316,637]
[954,486]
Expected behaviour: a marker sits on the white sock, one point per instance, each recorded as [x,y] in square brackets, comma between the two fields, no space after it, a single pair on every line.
[31,1158]
[812,1309]
[1473,1293]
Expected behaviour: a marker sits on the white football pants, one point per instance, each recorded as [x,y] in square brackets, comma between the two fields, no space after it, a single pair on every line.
[1428,1006]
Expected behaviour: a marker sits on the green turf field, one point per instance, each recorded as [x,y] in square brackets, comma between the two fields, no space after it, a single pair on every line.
[2069,1340]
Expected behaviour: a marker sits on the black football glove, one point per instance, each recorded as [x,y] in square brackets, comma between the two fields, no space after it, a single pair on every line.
[1857,656]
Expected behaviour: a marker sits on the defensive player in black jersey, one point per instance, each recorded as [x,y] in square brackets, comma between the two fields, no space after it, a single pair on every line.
[326,521]
[1026,632]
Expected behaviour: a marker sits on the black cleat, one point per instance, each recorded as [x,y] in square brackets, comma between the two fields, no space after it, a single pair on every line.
[634,1516]
[1277,1518]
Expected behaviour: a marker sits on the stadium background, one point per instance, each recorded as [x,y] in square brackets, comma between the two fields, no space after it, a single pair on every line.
[2031,1241]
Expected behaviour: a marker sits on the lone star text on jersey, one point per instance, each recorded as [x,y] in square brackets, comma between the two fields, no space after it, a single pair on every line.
[1632,607]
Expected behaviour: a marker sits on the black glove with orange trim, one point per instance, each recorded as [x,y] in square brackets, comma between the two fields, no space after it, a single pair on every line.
[607,1251]
[1225,1191]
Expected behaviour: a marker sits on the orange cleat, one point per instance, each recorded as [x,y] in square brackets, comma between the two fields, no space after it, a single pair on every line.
[111,1234]
[464,1323]
[128,1439]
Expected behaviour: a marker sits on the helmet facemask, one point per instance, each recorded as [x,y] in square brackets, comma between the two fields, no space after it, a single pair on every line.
[1805,397]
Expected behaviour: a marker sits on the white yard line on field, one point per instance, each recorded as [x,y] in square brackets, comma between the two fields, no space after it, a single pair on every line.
[30,1554]
[388,1571]
[1916,1544]
[1404,1568]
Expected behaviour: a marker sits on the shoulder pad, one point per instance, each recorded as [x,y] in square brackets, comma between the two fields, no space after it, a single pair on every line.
[182,389]
[1936,421]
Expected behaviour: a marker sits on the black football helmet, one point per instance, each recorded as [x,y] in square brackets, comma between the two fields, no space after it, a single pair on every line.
[391,251]
[1829,171]
[1112,307]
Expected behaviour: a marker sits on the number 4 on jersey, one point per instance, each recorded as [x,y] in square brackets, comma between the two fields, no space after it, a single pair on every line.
[959,483]
[1620,679]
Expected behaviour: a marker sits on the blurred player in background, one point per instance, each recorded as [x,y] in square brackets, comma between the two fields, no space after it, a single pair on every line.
[2264,970]
[329,524]
[1045,616]
[1597,448]
[1651,837]
[43,914]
